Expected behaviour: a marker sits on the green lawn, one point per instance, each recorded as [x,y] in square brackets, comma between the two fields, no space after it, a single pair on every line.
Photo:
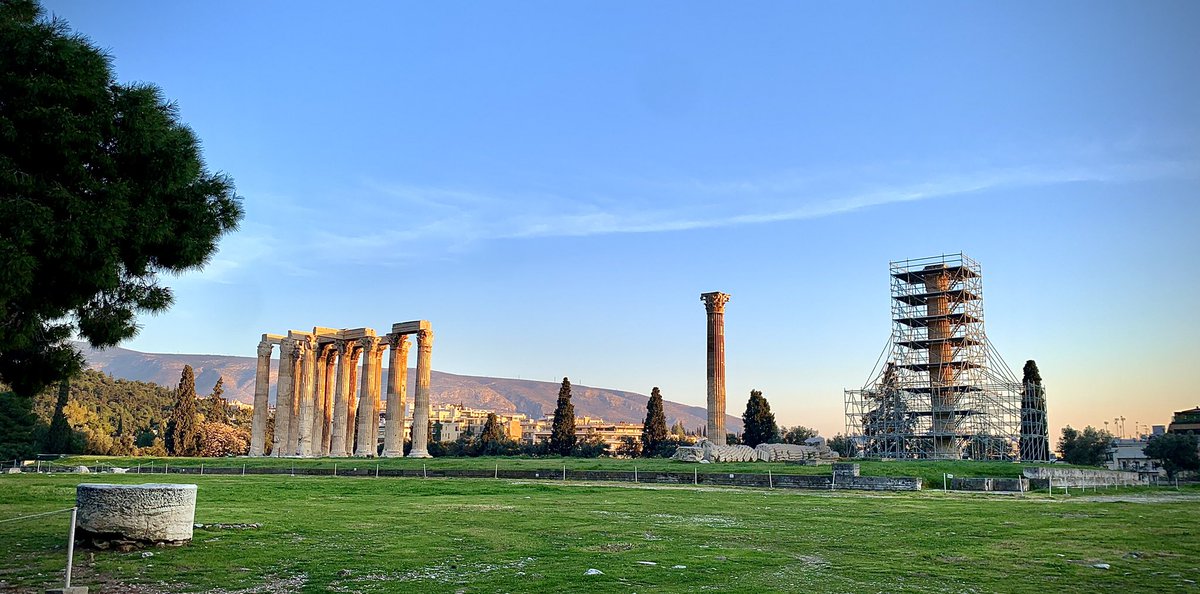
[930,471]
[324,534]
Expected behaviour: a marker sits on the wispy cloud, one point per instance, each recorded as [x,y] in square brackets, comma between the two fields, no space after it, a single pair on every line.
[396,223]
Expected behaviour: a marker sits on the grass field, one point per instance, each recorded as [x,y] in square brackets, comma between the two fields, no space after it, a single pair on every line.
[322,534]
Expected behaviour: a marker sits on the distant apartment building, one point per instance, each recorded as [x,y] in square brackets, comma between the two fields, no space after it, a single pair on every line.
[450,421]
[1130,455]
[1186,422]
[535,430]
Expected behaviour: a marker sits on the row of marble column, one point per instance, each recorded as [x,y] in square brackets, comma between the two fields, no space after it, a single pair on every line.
[318,411]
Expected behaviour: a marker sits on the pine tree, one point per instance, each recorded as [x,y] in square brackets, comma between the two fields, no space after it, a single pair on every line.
[654,429]
[758,421]
[562,433]
[58,438]
[491,440]
[183,430]
[104,192]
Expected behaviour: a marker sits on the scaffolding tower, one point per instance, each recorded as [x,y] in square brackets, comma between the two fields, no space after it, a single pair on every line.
[943,391]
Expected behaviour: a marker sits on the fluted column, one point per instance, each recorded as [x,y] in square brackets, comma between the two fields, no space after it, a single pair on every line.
[420,429]
[283,396]
[317,424]
[397,386]
[368,417]
[262,391]
[714,304]
[306,404]
[327,398]
[341,400]
[303,386]
[352,397]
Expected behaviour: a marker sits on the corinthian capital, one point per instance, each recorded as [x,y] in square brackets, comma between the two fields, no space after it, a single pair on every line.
[714,302]
[265,348]
[424,339]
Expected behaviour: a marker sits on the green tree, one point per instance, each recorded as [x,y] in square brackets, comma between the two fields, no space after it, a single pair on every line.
[1175,451]
[493,439]
[17,424]
[797,435]
[183,430]
[562,432]
[59,437]
[842,445]
[103,190]
[1086,448]
[216,408]
[629,447]
[758,422]
[678,430]
[654,429]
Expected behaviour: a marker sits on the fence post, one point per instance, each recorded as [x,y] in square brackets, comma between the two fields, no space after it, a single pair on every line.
[770,480]
[201,470]
[424,473]
[635,478]
[335,469]
[70,549]
[695,476]
[496,472]
[376,471]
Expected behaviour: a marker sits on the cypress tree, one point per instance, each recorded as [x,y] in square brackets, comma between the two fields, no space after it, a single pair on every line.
[183,430]
[217,407]
[562,433]
[58,438]
[491,441]
[654,429]
[758,421]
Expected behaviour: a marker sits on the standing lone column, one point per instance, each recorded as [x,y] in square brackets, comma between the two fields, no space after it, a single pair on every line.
[393,429]
[368,415]
[341,401]
[714,304]
[283,396]
[420,428]
[262,391]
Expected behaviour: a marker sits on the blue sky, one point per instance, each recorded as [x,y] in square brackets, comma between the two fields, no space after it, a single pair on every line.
[554,184]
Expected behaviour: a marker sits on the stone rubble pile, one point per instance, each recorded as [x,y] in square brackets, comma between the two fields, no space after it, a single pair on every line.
[705,451]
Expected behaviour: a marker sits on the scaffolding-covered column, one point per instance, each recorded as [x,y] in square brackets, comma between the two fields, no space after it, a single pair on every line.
[941,359]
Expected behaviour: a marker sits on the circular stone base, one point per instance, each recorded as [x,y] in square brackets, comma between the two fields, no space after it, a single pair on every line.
[127,516]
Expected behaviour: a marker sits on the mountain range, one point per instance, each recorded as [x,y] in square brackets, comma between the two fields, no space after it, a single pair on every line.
[533,398]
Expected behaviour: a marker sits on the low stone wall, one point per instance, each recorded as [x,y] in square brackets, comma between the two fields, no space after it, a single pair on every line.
[1042,476]
[366,468]
[1016,485]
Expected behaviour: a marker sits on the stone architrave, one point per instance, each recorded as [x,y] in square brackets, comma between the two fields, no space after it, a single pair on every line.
[318,418]
[262,391]
[283,396]
[341,399]
[308,401]
[397,386]
[368,416]
[420,428]
[326,420]
[714,304]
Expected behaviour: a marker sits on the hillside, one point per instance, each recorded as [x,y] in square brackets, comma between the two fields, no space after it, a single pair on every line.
[530,397]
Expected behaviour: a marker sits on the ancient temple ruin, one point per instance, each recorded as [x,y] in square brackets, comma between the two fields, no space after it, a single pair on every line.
[327,404]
